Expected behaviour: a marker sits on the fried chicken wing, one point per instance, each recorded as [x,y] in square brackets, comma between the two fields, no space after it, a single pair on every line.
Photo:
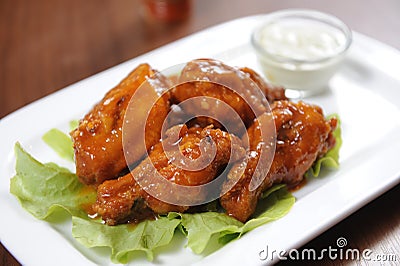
[303,135]
[98,139]
[118,200]
[175,167]
[216,84]
[271,92]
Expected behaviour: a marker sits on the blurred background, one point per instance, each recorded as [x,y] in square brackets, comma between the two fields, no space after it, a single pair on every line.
[46,45]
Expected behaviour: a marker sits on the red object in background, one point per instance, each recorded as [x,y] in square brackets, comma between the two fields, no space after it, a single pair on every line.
[168,11]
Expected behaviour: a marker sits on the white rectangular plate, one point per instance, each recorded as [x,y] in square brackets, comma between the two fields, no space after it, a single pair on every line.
[365,93]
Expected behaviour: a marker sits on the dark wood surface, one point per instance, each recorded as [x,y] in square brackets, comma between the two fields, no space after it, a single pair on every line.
[47,45]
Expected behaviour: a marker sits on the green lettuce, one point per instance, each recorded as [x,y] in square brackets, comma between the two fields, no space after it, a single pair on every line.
[124,239]
[73,124]
[202,228]
[46,189]
[60,142]
[43,189]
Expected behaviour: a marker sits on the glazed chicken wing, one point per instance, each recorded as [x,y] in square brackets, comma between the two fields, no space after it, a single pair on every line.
[243,90]
[219,85]
[123,200]
[302,134]
[272,93]
[98,139]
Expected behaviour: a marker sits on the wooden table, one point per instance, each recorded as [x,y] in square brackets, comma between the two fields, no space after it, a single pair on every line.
[46,45]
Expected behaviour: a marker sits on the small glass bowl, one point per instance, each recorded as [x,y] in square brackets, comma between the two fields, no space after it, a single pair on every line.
[301,49]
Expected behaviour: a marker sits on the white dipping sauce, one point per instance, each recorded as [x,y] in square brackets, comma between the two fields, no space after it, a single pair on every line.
[300,53]
[300,41]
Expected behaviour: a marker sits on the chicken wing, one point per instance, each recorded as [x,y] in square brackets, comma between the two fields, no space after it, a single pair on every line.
[245,91]
[271,92]
[126,198]
[303,135]
[97,141]
[219,85]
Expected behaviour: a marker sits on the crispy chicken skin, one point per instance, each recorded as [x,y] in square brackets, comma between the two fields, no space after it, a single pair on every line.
[98,139]
[227,84]
[242,89]
[303,135]
[272,93]
[118,200]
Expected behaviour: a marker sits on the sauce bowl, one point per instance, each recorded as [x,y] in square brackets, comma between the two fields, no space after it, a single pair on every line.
[301,49]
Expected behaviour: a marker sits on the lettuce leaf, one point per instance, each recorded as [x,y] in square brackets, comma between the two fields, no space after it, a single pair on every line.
[73,124]
[46,189]
[202,227]
[60,142]
[331,158]
[125,238]
[43,189]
